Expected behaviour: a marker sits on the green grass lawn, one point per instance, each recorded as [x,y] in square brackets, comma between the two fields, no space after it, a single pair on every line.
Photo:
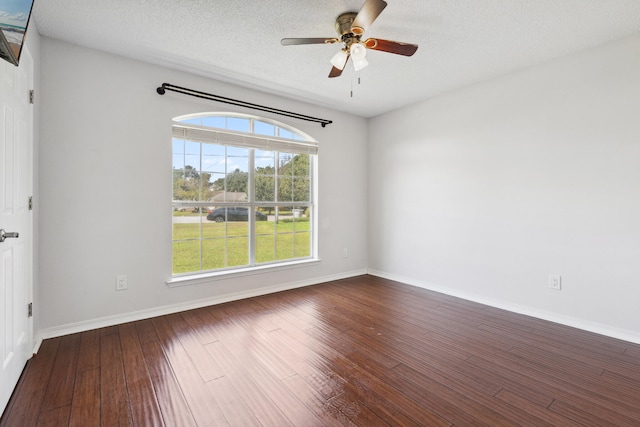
[226,244]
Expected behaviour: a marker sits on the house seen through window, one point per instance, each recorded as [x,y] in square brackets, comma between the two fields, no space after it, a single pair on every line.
[243,193]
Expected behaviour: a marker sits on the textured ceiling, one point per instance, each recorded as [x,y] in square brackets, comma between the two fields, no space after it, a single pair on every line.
[238,41]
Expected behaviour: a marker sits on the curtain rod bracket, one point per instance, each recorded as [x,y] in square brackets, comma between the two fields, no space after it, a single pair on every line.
[211,97]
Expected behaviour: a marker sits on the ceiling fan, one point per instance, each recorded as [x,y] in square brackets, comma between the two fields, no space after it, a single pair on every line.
[351,26]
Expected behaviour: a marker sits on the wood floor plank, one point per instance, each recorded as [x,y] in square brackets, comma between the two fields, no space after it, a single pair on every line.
[537,411]
[60,387]
[583,356]
[58,417]
[555,387]
[233,406]
[332,412]
[633,351]
[146,331]
[85,407]
[25,404]
[204,407]
[200,327]
[295,410]
[366,386]
[144,405]
[256,342]
[586,418]
[361,351]
[476,404]
[256,399]
[114,404]
[173,406]
[207,367]
[89,353]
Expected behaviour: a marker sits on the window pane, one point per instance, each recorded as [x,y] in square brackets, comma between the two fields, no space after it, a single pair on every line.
[238,224]
[192,148]
[301,190]
[238,124]
[293,231]
[237,178]
[214,254]
[239,155]
[294,184]
[301,221]
[265,160]
[284,246]
[265,235]
[215,122]
[238,251]
[212,229]
[178,145]
[262,128]
[301,168]
[192,164]
[283,133]
[265,248]
[186,256]
[264,176]
[217,185]
[186,184]
[213,158]
[302,244]
[236,186]
[185,224]
[265,187]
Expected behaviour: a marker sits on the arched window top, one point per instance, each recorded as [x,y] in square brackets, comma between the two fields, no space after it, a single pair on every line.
[244,123]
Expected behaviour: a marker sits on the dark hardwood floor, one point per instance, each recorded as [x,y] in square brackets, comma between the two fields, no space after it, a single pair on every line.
[363,351]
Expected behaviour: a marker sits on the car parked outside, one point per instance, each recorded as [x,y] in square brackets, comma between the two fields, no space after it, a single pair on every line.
[233,214]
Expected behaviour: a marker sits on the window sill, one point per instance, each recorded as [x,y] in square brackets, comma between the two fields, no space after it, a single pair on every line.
[194,279]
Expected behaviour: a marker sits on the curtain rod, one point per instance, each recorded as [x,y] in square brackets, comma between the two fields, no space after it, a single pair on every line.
[168,86]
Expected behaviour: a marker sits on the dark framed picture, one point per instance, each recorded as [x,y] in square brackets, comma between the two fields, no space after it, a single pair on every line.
[14,19]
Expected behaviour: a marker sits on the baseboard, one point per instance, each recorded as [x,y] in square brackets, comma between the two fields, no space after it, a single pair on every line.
[36,344]
[528,311]
[72,328]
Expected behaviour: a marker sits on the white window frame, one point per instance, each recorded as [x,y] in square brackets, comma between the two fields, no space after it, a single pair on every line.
[301,144]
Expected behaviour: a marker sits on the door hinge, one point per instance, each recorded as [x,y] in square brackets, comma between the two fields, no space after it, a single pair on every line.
[30,310]
[31,96]
[30,203]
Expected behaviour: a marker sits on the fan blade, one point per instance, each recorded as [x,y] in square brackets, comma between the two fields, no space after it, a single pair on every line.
[309,40]
[399,48]
[370,10]
[337,72]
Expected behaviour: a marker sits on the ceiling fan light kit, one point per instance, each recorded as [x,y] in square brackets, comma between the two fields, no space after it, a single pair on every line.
[351,26]
[358,51]
[339,60]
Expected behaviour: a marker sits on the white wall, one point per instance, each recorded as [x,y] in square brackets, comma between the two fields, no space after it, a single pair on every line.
[105,183]
[484,192]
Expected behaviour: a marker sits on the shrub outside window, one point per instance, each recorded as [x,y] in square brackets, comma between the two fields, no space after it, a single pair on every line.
[243,193]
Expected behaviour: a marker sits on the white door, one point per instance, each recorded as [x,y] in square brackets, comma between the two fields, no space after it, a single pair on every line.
[16,254]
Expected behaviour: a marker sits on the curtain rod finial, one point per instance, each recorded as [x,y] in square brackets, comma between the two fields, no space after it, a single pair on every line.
[160,90]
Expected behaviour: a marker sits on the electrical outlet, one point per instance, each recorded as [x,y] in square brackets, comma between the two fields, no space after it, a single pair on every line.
[121,282]
[345,253]
[555,282]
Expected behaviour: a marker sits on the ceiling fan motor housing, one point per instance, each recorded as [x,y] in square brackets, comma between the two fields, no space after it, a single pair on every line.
[344,23]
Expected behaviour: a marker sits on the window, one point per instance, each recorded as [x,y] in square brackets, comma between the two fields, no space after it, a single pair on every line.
[243,193]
